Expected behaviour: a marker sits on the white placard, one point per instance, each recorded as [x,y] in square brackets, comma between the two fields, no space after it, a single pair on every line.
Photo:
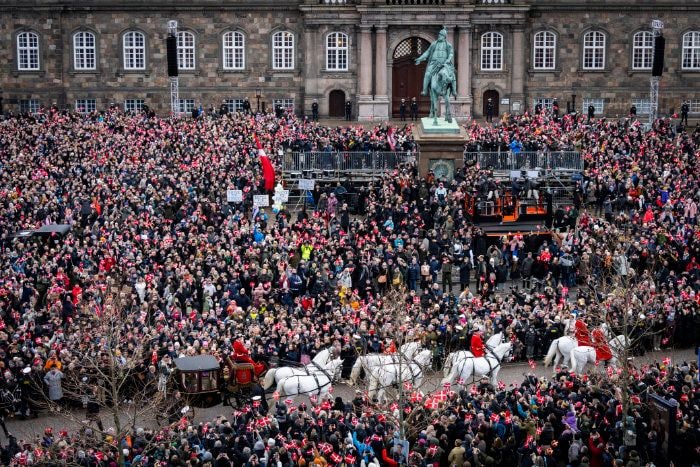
[234,196]
[283,196]
[261,201]
[307,184]
[505,101]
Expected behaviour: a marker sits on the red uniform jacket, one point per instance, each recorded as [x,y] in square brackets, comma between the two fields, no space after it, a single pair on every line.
[477,345]
[241,355]
[581,333]
[602,349]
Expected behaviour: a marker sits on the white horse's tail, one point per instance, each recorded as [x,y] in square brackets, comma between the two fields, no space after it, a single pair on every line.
[280,386]
[269,378]
[373,385]
[551,353]
[356,369]
[574,360]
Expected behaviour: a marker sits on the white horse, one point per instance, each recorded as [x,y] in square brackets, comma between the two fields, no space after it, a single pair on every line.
[370,361]
[275,375]
[460,355]
[382,377]
[318,383]
[489,365]
[560,351]
[580,357]
[618,344]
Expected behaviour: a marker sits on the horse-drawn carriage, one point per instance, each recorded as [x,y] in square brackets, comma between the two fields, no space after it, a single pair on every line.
[203,381]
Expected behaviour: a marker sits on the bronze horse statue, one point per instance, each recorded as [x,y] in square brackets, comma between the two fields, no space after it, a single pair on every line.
[443,83]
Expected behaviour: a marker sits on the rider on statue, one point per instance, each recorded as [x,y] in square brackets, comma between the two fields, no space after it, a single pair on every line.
[439,80]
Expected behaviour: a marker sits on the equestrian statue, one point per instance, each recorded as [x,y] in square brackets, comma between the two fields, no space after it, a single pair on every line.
[439,78]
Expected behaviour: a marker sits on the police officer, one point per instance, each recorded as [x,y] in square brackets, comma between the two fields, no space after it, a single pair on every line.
[314,111]
[685,108]
[414,110]
[489,110]
[402,110]
[348,111]
[591,111]
[555,109]
[633,111]
[223,108]
[538,108]
[246,106]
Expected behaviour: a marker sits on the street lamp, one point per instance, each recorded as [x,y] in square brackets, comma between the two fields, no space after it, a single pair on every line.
[258,95]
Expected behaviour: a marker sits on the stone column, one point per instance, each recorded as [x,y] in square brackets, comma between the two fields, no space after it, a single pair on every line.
[311,70]
[381,99]
[365,103]
[365,64]
[463,103]
[518,69]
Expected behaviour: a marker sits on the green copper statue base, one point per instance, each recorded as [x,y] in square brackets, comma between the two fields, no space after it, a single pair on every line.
[442,127]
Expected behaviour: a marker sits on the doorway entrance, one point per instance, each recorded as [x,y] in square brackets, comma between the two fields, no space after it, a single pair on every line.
[336,103]
[493,95]
[407,77]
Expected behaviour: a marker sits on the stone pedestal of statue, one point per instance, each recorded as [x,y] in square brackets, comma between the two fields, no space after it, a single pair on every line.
[441,147]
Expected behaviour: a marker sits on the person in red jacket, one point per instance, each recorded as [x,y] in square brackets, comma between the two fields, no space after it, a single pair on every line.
[583,337]
[241,355]
[596,447]
[477,345]
[602,349]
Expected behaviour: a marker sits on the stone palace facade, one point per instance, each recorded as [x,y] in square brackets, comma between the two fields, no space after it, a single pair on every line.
[88,54]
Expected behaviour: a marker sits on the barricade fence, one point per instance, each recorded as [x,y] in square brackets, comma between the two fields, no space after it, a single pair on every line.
[508,160]
[345,161]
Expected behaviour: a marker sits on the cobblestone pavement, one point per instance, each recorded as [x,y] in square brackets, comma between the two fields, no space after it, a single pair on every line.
[510,374]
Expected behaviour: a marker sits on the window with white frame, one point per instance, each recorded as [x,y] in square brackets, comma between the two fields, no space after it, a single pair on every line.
[597,103]
[134,50]
[492,51]
[185,50]
[286,104]
[643,106]
[27,51]
[234,105]
[133,105]
[545,45]
[642,50]
[29,106]
[337,51]
[694,106]
[186,106]
[234,50]
[84,54]
[283,50]
[691,50]
[545,102]
[594,50]
[84,106]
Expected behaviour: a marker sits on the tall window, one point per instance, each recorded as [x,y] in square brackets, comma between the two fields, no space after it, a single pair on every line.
[84,51]
[134,45]
[234,50]
[27,51]
[643,106]
[545,102]
[234,105]
[29,106]
[84,106]
[283,51]
[133,105]
[694,106]
[492,51]
[691,50]
[642,50]
[286,104]
[186,106]
[337,51]
[594,50]
[597,103]
[545,48]
[185,50]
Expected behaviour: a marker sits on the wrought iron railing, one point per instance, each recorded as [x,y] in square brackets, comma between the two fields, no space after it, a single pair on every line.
[345,161]
[507,160]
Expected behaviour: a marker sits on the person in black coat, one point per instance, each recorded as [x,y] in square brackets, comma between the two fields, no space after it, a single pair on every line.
[402,110]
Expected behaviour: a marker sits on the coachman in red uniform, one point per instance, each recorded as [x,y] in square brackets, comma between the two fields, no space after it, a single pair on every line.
[241,355]
[602,349]
[583,337]
[477,345]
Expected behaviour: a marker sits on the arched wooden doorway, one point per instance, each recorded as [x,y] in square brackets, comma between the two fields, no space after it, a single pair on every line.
[407,77]
[336,103]
[495,98]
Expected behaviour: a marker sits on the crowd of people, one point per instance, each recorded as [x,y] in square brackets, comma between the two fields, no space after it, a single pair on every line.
[154,242]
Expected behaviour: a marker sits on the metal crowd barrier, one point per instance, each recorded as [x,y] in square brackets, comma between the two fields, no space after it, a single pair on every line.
[507,160]
[345,161]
